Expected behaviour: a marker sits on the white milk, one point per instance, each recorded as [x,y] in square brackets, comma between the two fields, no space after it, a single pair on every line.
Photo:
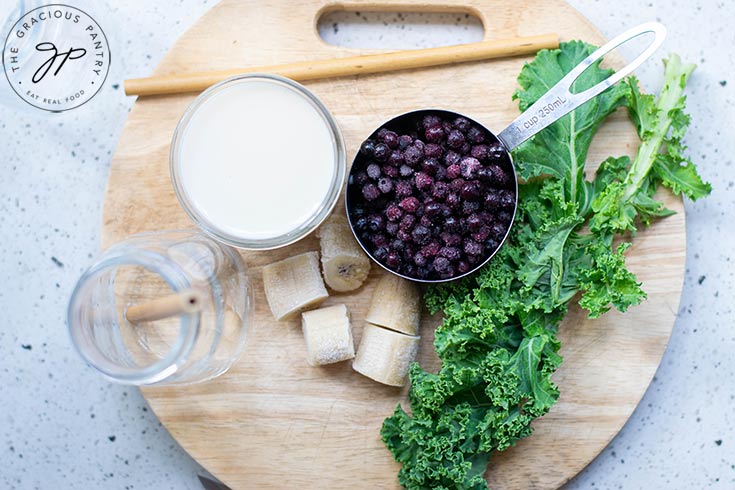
[257,160]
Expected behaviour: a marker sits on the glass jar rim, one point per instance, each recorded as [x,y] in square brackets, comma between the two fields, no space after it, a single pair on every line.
[92,354]
[325,207]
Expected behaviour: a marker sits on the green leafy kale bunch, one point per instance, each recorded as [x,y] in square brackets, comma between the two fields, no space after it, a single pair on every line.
[498,342]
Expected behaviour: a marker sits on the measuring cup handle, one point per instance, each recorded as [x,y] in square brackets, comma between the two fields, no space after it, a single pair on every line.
[559,100]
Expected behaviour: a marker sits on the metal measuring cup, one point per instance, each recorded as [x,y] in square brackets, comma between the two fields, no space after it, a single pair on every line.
[557,102]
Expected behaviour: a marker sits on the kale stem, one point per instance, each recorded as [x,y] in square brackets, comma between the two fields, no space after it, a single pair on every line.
[675,78]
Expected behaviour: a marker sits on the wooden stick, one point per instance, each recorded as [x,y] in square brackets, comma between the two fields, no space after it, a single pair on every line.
[354,65]
[185,302]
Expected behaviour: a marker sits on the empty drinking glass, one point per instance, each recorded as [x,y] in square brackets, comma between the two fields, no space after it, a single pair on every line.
[169,307]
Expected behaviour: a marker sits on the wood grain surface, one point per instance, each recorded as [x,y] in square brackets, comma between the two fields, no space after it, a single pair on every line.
[275,422]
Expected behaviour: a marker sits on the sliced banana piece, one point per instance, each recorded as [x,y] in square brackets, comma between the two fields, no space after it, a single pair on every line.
[293,285]
[328,335]
[396,304]
[385,355]
[344,263]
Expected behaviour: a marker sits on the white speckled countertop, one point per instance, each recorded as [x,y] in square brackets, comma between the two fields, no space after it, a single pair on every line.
[62,426]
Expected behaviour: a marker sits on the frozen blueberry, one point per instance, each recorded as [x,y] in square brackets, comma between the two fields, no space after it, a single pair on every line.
[453,200]
[433,150]
[361,178]
[403,189]
[475,135]
[441,173]
[405,171]
[462,123]
[392,259]
[423,180]
[430,166]
[505,217]
[397,245]
[381,152]
[373,171]
[433,211]
[451,239]
[409,270]
[395,158]
[451,158]
[469,207]
[463,267]
[370,192]
[391,139]
[497,231]
[469,167]
[389,170]
[409,204]
[360,224]
[455,139]
[456,184]
[454,171]
[482,234]
[474,222]
[367,148]
[412,155]
[380,253]
[391,228]
[403,141]
[481,152]
[506,199]
[442,265]
[491,245]
[472,248]
[485,174]
[431,120]
[385,185]
[393,213]
[379,240]
[431,249]
[470,191]
[419,259]
[496,150]
[492,199]
[451,224]
[451,253]
[497,176]
[421,234]
[408,222]
[376,222]
[403,235]
[440,190]
[422,273]
[434,134]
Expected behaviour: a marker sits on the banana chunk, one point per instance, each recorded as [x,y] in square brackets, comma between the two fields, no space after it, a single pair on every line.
[385,355]
[328,335]
[344,263]
[293,285]
[396,304]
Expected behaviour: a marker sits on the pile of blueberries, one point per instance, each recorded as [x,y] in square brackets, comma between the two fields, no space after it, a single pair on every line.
[432,199]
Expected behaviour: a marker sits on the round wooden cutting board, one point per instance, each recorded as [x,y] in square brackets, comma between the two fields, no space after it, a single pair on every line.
[275,422]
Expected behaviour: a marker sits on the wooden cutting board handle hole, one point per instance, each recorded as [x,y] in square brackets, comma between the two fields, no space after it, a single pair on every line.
[464,25]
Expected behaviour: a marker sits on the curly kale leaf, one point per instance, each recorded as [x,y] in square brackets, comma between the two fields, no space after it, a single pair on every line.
[661,124]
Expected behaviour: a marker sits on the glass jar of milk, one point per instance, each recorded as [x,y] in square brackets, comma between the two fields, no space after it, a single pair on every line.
[257,161]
